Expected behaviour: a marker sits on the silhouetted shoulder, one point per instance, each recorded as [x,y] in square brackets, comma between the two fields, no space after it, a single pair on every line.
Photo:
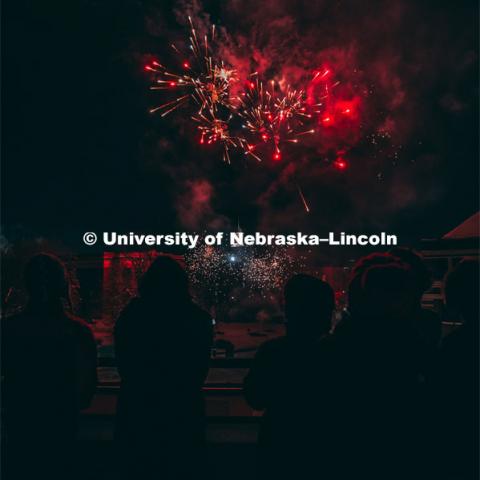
[201,311]
[268,353]
[202,325]
[125,321]
[261,381]
[81,327]
[201,315]
[133,306]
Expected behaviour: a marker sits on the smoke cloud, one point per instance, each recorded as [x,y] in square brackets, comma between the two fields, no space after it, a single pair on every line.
[388,67]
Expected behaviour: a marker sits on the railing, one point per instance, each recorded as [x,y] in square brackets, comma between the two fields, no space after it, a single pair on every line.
[224,401]
[214,362]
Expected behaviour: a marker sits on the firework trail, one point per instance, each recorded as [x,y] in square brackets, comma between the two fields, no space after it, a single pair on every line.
[302,198]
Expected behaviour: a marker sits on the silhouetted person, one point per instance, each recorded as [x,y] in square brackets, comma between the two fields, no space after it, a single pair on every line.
[371,384]
[426,322]
[49,374]
[354,291]
[162,345]
[283,382]
[458,377]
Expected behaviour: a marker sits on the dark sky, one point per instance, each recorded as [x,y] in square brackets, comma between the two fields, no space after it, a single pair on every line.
[80,152]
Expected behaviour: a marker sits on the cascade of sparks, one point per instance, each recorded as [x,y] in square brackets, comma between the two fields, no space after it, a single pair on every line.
[257,270]
[267,113]
[272,116]
[258,119]
[206,83]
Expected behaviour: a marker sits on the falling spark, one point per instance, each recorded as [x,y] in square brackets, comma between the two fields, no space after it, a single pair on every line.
[302,198]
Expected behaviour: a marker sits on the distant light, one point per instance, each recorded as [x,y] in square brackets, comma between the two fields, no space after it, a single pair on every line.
[340,164]
[232,258]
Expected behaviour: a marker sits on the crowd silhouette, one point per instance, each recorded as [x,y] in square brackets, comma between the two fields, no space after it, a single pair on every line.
[378,395]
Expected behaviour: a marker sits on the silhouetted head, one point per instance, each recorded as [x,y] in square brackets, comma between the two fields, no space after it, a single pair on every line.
[309,304]
[421,274]
[388,294]
[461,291]
[46,281]
[164,280]
[355,286]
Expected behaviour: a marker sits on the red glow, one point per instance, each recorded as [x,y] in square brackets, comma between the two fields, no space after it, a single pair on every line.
[340,164]
[348,108]
[269,116]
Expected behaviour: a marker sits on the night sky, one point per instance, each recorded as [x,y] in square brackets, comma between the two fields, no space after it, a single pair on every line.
[81,152]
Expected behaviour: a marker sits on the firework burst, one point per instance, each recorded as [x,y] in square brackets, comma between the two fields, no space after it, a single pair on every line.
[268,113]
[271,116]
[217,270]
[205,83]
[249,115]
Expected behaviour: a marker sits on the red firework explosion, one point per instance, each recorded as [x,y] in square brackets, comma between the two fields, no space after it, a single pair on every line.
[260,118]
